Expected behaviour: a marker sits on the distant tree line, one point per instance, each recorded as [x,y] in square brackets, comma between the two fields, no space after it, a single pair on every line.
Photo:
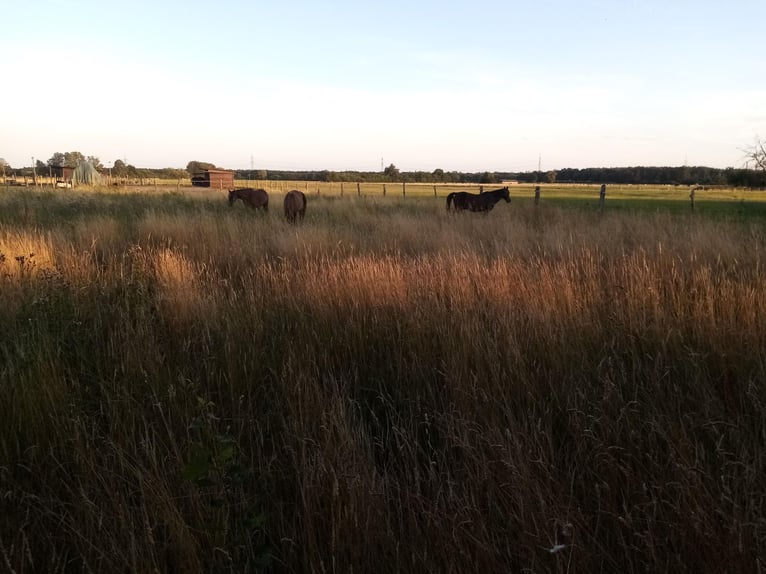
[684,175]
[388,175]
[705,176]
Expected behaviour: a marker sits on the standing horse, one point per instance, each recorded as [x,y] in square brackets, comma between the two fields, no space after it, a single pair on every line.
[477,201]
[295,205]
[251,197]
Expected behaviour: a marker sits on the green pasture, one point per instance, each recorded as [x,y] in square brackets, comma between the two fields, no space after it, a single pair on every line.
[726,203]
[718,202]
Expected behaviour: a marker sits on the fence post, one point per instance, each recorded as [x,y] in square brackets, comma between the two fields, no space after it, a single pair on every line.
[691,196]
[384,190]
[404,189]
[434,190]
[602,197]
[537,195]
[341,189]
[358,189]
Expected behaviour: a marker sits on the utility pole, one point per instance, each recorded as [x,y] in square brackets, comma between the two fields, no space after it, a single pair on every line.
[539,164]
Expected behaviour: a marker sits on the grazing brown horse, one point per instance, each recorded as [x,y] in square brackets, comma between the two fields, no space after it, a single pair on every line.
[477,201]
[251,197]
[295,205]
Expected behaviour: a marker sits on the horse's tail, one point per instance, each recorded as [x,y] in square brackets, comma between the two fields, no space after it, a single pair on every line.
[449,200]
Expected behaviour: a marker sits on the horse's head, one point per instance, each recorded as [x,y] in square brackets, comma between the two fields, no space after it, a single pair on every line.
[506,194]
[232,196]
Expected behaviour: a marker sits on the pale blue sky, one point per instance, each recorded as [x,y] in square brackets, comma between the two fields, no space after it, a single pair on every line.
[471,86]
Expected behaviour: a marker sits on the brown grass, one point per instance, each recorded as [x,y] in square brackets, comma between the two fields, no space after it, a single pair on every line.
[192,388]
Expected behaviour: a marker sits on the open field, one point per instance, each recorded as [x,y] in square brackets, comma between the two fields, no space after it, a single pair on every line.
[189,387]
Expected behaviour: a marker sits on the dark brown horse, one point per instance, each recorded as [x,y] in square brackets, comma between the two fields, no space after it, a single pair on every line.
[477,201]
[251,197]
[295,205]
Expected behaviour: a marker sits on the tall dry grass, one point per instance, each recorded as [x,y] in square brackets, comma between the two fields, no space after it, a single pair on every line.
[195,388]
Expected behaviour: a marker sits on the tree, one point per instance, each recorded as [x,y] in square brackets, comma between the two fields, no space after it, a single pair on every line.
[438,174]
[73,158]
[4,166]
[391,172]
[488,177]
[57,160]
[756,154]
[95,162]
[119,169]
[551,176]
[68,159]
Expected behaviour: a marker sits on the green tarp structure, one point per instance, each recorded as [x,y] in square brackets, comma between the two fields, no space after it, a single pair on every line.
[85,174]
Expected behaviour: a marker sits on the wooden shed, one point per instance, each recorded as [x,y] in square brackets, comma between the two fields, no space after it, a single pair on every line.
[215,178]
[62,174]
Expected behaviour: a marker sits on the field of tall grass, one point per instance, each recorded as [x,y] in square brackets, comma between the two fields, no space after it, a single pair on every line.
[189,387]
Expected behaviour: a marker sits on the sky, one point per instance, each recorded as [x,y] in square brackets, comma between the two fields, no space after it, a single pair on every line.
[474,85]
